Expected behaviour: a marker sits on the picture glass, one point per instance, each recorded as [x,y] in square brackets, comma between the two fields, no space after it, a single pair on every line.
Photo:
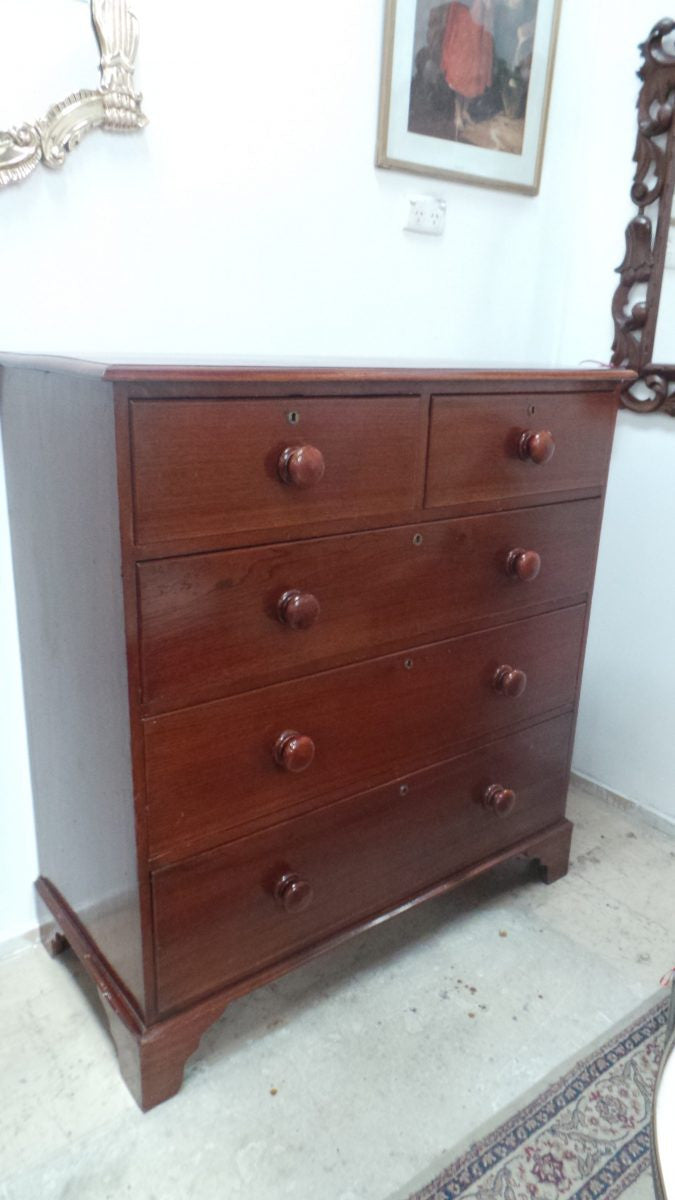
[466,86]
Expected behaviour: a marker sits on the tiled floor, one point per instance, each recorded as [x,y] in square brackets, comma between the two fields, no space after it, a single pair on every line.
[349,1077]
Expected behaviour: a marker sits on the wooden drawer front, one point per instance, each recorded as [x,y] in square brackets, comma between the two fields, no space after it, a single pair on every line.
[205,467]
[210,623]
[212,768]
[473,453]
[217,919]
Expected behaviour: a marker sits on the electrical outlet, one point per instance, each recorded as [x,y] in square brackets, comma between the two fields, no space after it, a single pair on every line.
[426,215]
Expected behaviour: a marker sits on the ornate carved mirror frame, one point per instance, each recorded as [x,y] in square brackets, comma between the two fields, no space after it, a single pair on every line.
[115,105]
[636,300]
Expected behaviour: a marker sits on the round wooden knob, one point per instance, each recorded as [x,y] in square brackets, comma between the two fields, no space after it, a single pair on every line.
[293,893]
[303,466]
[538,447]
[510,682]
[294,751]
[298,610]
[500,800]
[523,564]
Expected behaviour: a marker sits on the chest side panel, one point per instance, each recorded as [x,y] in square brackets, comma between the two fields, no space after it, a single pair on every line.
[59,446]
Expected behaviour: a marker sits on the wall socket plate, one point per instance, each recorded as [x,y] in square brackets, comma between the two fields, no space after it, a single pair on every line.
[426,214]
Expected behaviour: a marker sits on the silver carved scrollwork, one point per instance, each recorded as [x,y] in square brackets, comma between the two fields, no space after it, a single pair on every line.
[115,106]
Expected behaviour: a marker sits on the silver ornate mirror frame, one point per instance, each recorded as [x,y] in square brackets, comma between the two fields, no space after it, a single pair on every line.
[115,105]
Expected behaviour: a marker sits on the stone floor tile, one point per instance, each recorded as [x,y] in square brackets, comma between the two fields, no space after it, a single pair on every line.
[348,1077]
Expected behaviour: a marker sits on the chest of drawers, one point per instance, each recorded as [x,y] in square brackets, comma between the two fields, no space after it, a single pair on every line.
[301,648]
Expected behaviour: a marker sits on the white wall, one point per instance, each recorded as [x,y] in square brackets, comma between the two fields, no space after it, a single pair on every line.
[18,858]
[249,222]
[625,737]
[625,730]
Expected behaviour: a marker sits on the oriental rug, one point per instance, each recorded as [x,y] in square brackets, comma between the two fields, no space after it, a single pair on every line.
[583,1134]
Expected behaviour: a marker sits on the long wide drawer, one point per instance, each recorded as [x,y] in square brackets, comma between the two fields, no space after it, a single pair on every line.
[219,467]
[487,449]
[216,624]
[249,904]
[217,766]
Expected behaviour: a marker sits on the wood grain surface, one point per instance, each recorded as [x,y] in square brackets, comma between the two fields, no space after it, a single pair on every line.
[210,624]
[212,768]
[217,917]
[205,467]
[474,445]
[302,648]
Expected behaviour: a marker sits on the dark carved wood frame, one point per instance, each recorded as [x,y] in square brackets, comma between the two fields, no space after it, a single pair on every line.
[647,234]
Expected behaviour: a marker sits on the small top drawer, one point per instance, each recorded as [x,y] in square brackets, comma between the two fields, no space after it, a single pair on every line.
[487,448]
[207,468]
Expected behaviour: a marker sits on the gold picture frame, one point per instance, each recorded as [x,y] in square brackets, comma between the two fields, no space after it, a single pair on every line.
[466,88]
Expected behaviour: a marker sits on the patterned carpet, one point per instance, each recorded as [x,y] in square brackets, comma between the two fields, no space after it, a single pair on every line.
[584,1135]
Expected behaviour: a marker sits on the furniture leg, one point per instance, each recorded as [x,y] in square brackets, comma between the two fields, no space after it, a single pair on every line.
[552,852]
[53,940]
[152,1060]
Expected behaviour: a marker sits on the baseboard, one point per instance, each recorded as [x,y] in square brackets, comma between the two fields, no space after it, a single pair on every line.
[657,820]
[18,945]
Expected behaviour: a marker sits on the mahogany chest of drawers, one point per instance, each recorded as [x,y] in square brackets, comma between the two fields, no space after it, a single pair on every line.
[300,648]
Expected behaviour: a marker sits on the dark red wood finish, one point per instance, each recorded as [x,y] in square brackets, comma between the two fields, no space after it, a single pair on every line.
[402,596]
[205,467]
[217,918]
[152,1057]
[58,435]
[523,564]
[294,751]
[213,768]
[475,446]
[499,799]
[301,466]
[298,610]
[210,623]
[536,446]
[292,893]
[509,682]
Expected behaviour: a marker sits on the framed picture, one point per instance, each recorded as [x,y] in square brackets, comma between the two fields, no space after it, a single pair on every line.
[465,89]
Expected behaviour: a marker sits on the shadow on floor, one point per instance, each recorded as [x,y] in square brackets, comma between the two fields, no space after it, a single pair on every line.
[283,1001]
